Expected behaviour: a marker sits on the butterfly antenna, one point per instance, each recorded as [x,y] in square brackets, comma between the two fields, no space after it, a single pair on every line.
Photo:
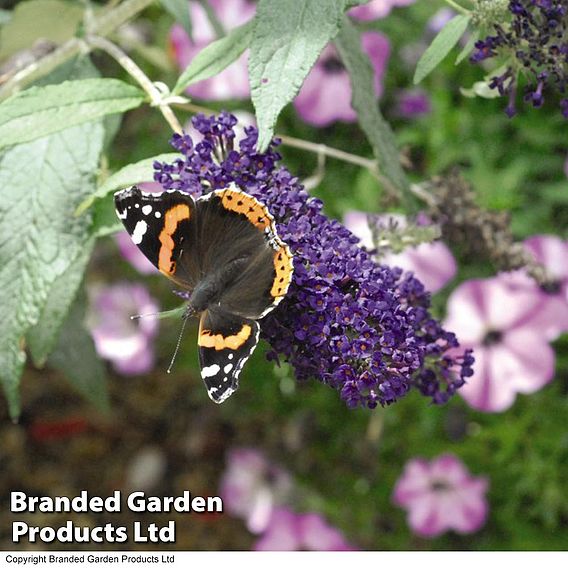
[178,344]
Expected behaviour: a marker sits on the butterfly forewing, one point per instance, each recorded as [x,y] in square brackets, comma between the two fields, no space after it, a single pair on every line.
[163,227]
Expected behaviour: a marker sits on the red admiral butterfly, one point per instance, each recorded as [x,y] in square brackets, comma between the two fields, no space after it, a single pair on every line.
[223,249]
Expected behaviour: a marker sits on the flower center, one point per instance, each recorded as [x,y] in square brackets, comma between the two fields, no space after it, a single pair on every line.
[492,337]
[552,287]
[440,486]
[333,65]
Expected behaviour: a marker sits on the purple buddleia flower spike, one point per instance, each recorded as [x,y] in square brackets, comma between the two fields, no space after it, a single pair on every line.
[536,38]
[361,328]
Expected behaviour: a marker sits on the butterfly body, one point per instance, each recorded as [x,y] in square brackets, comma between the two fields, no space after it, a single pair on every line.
[224,252]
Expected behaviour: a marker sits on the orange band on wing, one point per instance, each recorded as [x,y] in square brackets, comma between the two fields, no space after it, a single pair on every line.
[218,342]
[254,211]
[283,269]
[173,218]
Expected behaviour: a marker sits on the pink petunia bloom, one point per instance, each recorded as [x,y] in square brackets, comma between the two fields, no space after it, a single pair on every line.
[128,249]
[552,253]
[441,495]
[376,9]
[325,96]
[310,531]
[126,343]
[432,263]
[251,487]
[232,83]
[508,327]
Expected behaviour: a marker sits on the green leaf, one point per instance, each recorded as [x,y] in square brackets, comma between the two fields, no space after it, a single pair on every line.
[468,48]
[40,111]
[216,57]
[43,337]
[79,67]
[132,174]
[179,10]
[287,39]
[364,101]
[442,44]
[41,184]
[76,357]
[52,20]
[105,220]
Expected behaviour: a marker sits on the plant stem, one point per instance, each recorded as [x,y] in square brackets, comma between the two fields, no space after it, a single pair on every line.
[101,26]
[330,152]
[136,73]
[321,149]
[422,194]
[457,7]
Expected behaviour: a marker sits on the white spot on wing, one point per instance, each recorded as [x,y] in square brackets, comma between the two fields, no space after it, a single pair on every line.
[210,371]
[157,214]
[147,209]
[139,232]
[122,215]
[223,397]
[230,356]
[227,368]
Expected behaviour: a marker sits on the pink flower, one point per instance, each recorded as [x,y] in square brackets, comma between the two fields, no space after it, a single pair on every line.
[232,83]
[440,496]
[126,343]
[508,327]
[377,9]
[432,263]
[552,253]
[251,487]
[310,531]
[325,96]
[128,249]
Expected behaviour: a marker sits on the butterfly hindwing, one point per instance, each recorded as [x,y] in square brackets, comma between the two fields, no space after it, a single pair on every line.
[225,343]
